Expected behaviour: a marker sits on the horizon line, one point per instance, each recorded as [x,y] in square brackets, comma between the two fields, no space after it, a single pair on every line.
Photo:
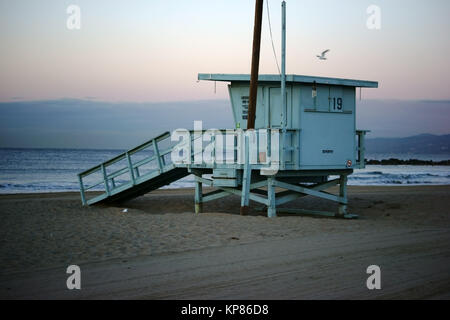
[125,149]
[95,100]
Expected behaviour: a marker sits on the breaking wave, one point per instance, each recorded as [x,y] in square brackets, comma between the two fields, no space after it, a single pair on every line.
[406,175]
[39,171]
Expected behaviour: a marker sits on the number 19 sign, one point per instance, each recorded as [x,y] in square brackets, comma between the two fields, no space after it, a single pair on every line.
[336,105]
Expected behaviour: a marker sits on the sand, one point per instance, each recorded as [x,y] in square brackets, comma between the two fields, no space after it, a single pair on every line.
[159,249]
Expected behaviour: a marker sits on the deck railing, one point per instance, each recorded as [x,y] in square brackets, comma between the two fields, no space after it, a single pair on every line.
[151,159]
[227,149]
[148,160]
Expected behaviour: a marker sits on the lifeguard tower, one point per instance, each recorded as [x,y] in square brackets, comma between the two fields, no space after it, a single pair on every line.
[319,141]
[303,142]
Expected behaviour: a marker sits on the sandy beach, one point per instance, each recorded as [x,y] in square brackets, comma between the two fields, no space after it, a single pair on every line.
[159,249]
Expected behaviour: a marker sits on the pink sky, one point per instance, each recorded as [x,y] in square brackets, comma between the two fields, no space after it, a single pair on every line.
[153,50]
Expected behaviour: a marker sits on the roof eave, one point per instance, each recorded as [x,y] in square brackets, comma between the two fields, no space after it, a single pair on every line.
[289,78]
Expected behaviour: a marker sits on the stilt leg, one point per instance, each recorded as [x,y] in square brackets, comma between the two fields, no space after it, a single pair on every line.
[198,197]
[244,210]
[245,197]
[342,211]
[247,177]
[271,210]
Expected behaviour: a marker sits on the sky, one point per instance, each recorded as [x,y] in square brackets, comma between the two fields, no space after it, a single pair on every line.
[152,50]
[131,70]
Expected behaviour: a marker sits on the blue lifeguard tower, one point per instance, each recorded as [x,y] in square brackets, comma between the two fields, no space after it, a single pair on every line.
[320,141]
[304,142]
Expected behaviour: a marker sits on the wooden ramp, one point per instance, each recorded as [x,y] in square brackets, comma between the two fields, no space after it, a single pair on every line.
[131,174]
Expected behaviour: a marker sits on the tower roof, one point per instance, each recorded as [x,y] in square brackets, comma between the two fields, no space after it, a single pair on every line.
[293,78]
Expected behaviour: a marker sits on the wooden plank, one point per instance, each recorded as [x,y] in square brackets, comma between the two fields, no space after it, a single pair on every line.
[252,196]
[247,175]
[122,188]
[105,180]
[288,196]
[271,199]
[130,169]
[158,156]
[118,173]
[146,177]
[258,184]
[83,197]
[97,199]
[311,192]
[215,195]
[93,186]
[148,143]
[198,197]
[143,162]
[208,182]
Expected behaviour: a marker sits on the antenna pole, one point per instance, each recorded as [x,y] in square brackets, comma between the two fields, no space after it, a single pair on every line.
[283,83]
[255,64]
[283,66]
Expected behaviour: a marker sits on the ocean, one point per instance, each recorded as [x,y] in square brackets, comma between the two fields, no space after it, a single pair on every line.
[55,170]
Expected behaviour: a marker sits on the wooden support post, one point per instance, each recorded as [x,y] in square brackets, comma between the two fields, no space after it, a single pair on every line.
[271,208]
[198,195]
[247,175]
[342,211]
[255,64]
[105,179]
[245,198]
[83,197]
[130,168]
[158,156]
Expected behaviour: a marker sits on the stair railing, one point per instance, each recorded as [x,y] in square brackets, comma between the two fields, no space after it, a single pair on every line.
[107,182]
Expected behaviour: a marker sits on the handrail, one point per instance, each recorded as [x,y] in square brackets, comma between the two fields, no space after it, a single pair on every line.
[122,156]
[108,179]
[293,148]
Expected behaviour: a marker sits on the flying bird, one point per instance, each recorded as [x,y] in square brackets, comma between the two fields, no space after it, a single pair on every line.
[322,56]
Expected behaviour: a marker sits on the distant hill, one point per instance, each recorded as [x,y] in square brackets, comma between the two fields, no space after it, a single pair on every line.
[421,144]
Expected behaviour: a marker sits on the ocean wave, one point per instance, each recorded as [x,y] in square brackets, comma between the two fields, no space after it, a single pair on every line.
[36,171]
[373,173]
[403,175]
[38,187]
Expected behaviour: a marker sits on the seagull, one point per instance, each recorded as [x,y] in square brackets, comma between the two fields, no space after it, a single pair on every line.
[322,56]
